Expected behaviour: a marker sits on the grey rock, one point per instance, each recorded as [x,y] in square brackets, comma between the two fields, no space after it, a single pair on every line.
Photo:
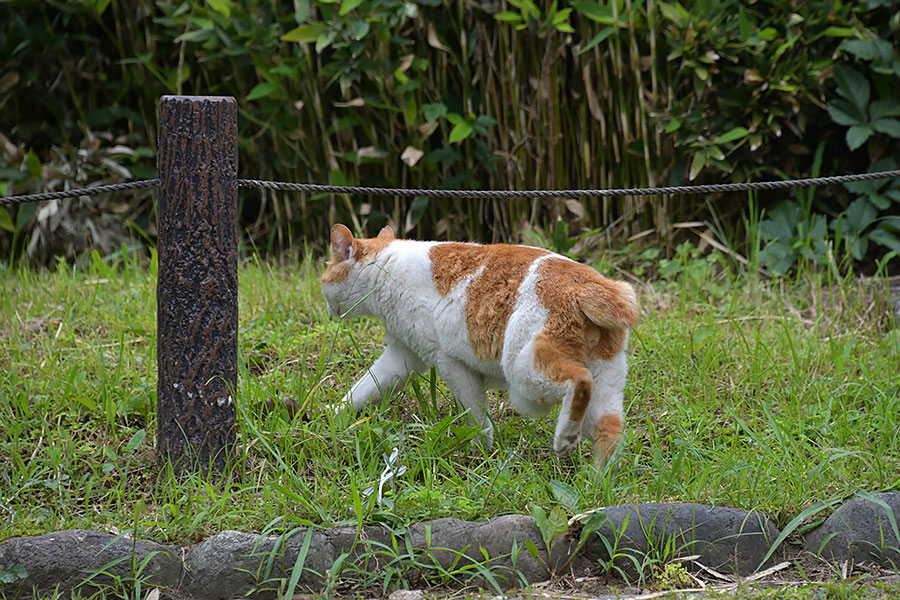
[727,539]
[407,595]
[861,530]
[234,563]
[894,296]
[453,543]
[82,560]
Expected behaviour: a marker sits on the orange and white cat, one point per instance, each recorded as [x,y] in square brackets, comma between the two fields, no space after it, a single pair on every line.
[544,327]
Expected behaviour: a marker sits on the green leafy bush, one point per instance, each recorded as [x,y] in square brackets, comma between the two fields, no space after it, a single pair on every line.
[505,94]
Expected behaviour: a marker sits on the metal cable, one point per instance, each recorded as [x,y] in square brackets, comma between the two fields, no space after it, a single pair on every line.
[377,191]
[686,189]
[88,191]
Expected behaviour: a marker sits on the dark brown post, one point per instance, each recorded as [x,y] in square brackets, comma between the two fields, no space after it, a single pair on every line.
[197,303]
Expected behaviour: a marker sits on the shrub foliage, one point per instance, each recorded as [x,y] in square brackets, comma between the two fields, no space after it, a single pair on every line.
[494,94]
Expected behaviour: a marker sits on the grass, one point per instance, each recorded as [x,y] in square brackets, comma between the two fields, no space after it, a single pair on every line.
[769,395]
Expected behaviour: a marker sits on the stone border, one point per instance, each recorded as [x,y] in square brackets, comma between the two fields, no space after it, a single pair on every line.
[235,564]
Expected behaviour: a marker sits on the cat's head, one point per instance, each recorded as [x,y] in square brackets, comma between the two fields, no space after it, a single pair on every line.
[348,277]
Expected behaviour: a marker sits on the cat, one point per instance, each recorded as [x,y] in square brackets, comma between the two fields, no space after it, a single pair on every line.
[542,326]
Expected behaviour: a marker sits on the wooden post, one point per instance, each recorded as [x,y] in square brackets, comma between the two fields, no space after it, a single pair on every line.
[197,303]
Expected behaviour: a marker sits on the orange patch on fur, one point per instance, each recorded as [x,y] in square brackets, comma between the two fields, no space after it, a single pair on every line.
[587,319]
[606,434]
[335,272]
[562,363]
[588,313]
[451,262]
[491,297]
[365,251]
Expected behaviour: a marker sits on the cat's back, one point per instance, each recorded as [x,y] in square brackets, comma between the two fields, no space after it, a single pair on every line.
[484,281]
[498,288]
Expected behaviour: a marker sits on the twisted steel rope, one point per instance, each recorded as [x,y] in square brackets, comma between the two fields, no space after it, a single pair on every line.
[686,189]
[429,193]
[88,191]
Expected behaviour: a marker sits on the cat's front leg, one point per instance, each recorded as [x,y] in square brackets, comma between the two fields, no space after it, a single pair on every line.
[390,372]
[468,389]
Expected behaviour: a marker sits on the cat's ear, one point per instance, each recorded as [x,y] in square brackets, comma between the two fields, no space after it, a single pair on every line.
[341,243]
[386,232]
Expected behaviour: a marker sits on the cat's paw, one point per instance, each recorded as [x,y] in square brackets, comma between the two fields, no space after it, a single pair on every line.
[564,445]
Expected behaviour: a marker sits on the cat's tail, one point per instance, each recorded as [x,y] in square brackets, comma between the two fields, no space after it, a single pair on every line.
[610,303]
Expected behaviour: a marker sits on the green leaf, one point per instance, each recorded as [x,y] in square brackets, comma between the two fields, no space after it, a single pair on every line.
[264,89]
[857,136]
[885,238]
[462,128]
[299,564]
[565,494]
[417,209]
[410,111]
[561,16]
[323,41]
[197,35]
[772,229]
[594,11]
[508,17]
[12,574]
[779,257]
[482,124]
[135,441]
[697,164]
[100,6]
[446,157]
[25,214]
[432,112]
[604,33]
[852,85]
[860,214]
[532,549]
[455,118]
[557,524]
[460,132]
[673,125]
[306,34]
[86,402]
[867,49]
[33,164]
[540,518]
[886,107]
[348,5]
[843,112]
[786,46]
[888,126]
[839,32]
[6,221]
[768,34]
[744,24]
[676,13]
[735,134]
[223,7]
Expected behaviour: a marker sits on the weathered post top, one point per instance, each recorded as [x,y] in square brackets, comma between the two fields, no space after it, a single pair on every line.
[197,304]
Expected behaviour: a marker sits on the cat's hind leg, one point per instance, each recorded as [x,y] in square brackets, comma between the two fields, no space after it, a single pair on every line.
[605,419]
[468,389]
[576,382]
[390,372]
